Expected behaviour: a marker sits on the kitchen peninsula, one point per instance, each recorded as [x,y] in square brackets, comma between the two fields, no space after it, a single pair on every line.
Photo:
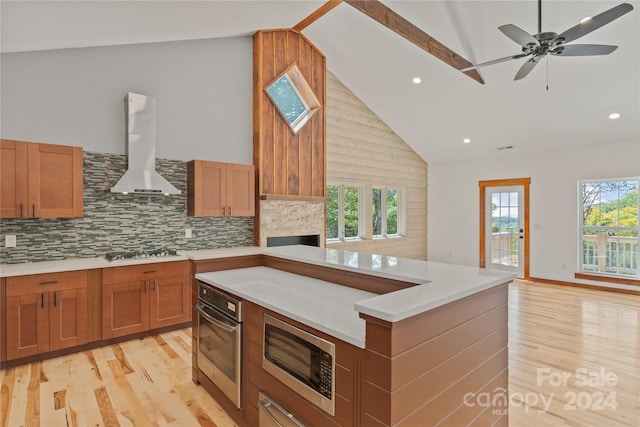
[412,337]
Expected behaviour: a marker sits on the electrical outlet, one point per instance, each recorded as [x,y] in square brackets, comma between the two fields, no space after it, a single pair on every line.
[10,241]
[187,233]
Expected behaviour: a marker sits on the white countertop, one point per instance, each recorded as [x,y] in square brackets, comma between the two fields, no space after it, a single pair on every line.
[321,305]
[27,268]
[436,283]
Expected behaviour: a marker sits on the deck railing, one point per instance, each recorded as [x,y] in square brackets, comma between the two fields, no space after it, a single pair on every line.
[504,247]
[610,254]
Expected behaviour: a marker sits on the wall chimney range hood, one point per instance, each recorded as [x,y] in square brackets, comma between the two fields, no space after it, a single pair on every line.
[141,176]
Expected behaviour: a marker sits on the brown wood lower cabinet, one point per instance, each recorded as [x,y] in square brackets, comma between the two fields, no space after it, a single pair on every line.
[45,312]
[141,297]
[125,309]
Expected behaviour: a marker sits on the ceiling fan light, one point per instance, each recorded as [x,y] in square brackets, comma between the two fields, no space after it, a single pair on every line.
[417,80]
[614,116]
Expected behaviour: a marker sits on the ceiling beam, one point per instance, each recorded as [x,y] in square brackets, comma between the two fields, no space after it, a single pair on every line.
[319,13]
[390,19]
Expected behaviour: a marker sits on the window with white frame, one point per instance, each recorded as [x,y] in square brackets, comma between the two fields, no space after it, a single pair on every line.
[343,211]
[346,212]
[384,211]
[609,227]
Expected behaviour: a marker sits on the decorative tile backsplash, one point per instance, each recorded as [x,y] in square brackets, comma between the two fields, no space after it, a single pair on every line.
[118,222]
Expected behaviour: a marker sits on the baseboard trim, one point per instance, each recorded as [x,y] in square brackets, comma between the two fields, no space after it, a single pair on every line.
[584,286]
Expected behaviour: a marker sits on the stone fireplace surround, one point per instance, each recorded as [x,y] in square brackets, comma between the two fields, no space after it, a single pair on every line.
[280,218]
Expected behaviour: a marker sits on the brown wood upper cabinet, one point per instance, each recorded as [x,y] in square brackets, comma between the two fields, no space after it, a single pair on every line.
[220,189]
[141,297]
[46,312]
[40,180]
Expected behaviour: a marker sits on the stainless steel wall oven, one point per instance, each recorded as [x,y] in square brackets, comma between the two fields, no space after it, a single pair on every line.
[220,339]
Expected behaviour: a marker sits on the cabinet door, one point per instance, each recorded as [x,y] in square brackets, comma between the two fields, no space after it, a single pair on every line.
[27,325]
[241,190]
[67,318]
[170,301]
[207,187]
[13,179]
[125,309]
[55,181]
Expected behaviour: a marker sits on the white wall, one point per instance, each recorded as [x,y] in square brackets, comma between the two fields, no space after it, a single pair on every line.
[453,202]
[203,90]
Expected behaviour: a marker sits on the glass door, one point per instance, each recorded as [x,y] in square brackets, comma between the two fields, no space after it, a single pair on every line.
[504,228]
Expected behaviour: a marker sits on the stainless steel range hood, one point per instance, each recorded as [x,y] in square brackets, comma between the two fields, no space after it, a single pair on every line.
[141,176]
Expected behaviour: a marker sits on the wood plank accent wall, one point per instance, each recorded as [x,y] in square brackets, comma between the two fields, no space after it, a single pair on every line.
[420,370]
[286,163]
[362,149]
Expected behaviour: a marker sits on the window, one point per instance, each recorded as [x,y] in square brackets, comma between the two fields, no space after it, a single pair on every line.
[293,98]
[384,209]
[347,209]
[608,230]
[343,212]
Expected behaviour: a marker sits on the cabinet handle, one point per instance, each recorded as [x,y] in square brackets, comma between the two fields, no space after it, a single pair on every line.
[154,284]
[145,286]
[33,209]
[55,299]
[229,210]
[150,271]
[50,282]
[21,214]
[224,210]
[42,300]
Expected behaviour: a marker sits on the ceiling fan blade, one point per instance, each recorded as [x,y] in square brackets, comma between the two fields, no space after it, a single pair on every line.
[584,50]
[495,61]
[518,35]
[527,67]
[594,23]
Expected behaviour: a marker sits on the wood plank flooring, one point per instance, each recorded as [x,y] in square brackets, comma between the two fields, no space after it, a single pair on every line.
[574,357]
[144,382]
[583,336]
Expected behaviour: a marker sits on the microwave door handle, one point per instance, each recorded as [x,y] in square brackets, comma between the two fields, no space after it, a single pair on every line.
[267,404]
[221,325]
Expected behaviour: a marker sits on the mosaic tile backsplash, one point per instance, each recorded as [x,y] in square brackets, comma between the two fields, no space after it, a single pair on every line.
[116,222]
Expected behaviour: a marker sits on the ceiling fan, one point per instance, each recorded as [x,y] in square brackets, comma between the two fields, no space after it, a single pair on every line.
[537,46]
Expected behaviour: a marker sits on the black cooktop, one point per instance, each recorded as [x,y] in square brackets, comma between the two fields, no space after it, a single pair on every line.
[117,256]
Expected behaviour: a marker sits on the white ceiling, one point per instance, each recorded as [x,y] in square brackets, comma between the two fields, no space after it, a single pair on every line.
[378,65]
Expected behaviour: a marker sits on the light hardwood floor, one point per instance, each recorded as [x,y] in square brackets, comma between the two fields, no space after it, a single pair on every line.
[577,349]
[144,382]
[554,333]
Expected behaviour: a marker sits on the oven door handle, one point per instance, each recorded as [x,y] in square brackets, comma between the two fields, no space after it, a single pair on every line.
[225,327]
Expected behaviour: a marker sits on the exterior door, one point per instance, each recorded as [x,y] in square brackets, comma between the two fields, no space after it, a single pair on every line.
[505,229]
[504,222]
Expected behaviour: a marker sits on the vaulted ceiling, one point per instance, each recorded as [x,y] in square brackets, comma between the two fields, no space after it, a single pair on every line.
[563,102]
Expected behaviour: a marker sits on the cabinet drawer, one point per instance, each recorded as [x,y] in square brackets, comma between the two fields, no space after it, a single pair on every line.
[133,273]
[49,282]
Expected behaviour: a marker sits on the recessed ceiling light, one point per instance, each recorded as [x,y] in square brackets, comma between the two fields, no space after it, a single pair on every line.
[614,116]
[585,19]
[466,140]
[417,80]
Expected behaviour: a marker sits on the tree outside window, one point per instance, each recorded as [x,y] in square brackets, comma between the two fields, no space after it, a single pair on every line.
[384,206]
[609,227]
[343,211]
[332,212]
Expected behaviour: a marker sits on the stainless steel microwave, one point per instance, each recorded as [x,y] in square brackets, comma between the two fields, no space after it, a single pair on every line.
[302,361]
